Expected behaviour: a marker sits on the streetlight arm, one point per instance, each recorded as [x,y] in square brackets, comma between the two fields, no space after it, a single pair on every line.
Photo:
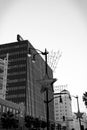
[77,102]
[74,96]
[54,98]
[41,52]
[59,93]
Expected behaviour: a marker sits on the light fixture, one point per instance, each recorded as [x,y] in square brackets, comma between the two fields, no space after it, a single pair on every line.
[33,59]
[29,52]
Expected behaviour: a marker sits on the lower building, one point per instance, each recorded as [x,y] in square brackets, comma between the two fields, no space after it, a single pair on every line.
[18,111]
[63,109]
[9,106]
[64,117]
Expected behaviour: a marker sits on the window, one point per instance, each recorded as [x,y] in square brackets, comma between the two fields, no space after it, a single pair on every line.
[3,108]
[7,109]
[14,111]
[56,110]
[57,114]
[10,109]
[56,103]
[0,108]
[57,118]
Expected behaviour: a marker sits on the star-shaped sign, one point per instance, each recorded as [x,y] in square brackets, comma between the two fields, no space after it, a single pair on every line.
[46,82]
[79,115]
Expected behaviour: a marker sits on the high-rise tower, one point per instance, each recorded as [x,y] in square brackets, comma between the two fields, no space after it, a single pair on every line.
[22,78]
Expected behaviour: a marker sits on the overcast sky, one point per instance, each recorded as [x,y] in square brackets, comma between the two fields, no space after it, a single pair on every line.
[54,25]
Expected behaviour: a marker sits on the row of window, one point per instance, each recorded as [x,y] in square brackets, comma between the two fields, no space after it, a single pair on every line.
[15,88]
[16,100]
[17,84]
[17,55]
[4,108]
[14,55]
[17,76]
[17,62]
[15,45]
[58,118]
[17,69]
[12,50]
[57,114]
[16,96]
[16,91]
[16,80]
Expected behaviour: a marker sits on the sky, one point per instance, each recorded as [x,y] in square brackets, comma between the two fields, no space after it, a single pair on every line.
[54,25]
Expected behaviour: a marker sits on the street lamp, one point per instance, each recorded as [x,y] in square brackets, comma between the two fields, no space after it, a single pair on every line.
[46,81]
[59,95]
[54,98]
[78,114]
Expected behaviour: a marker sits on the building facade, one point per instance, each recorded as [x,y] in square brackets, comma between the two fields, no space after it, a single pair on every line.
[3,76]
[16,109]
[6,106]
[23,79]
[63,110]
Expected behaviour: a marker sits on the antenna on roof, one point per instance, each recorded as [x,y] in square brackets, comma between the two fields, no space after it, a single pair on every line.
[19,38]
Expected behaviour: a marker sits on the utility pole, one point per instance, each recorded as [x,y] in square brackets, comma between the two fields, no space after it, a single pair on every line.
[47,105]
[78,114]
[52,81]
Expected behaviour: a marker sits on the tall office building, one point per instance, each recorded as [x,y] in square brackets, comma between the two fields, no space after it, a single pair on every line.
[63,109]
[23,78]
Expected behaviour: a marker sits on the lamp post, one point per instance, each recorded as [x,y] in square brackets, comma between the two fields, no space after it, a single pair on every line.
[45,82]
[78,114]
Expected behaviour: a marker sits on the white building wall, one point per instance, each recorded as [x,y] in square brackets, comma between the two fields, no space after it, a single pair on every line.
[63,109]
[84,122]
